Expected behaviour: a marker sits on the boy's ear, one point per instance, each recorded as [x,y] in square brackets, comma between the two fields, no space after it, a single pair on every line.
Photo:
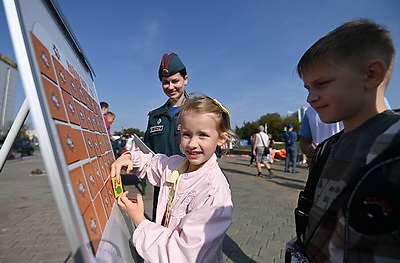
[222,138]
[375,72]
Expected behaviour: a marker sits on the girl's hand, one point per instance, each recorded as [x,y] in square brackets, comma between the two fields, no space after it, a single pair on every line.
[123,162]
[134,210]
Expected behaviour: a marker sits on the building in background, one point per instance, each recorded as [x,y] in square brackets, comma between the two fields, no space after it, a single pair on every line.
[8,93]
[299,114]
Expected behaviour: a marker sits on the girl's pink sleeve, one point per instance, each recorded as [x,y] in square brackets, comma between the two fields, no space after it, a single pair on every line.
[197,238]
[149,165]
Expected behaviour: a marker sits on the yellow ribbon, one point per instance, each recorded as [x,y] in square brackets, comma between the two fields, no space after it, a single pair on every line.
[173,177]
[219,104]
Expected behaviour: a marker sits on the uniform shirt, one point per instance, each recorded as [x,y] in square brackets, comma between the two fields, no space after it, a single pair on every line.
[200,215]
[163,132]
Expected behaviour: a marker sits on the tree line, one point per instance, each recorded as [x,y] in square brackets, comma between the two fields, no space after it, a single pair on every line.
[274,123]
[131,131]
[275,126]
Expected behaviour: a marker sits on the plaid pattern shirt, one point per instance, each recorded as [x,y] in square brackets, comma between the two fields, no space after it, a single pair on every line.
[359,223]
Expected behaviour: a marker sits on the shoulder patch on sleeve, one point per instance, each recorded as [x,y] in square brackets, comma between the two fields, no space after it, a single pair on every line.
[156,128]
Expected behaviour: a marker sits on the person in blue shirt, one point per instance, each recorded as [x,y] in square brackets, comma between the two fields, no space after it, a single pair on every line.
[290,138]
[313,131]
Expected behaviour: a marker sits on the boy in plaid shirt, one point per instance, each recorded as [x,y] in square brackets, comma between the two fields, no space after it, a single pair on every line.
[355,213]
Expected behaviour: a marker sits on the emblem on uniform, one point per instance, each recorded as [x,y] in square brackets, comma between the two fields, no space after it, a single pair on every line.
[156,128]
[165,72]
[158,121]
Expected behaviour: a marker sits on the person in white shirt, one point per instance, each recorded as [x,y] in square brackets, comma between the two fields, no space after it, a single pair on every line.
[261,150]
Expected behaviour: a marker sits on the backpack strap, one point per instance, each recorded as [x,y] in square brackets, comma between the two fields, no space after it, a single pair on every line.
[287,138]
[306,197]
[262,139]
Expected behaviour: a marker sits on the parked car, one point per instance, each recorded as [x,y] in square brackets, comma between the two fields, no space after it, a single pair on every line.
[24,147]
[10,154]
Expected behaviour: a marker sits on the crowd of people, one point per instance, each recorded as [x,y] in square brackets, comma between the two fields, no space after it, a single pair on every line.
[349,210]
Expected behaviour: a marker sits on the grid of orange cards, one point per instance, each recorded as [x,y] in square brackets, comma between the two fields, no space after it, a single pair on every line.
[82,133]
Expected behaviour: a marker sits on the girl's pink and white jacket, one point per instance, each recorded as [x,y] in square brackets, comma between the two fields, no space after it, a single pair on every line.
[200,215]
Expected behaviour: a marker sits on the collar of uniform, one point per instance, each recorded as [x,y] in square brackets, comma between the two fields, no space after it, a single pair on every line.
[163,110]
[173,178]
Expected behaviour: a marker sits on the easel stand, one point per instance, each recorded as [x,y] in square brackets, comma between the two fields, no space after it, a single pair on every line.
[13,133]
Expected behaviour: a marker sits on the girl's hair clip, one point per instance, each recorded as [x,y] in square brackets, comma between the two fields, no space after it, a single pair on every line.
[216,102]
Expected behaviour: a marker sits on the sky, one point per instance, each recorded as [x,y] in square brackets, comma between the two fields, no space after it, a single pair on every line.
[244,53]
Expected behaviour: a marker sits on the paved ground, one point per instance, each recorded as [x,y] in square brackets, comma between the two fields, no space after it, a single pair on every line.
[31,231]
[263,217]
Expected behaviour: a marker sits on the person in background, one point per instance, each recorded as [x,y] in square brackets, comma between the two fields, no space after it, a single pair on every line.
[118,145]
[130,143]
[260,150]
[104,108]
[290,138]
[218,152]
[195,205]
[349,210]
[270,157]
[109,119]
[163,128]
[313,131]
[252,156]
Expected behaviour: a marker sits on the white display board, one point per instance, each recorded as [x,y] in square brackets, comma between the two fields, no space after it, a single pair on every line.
[58,82]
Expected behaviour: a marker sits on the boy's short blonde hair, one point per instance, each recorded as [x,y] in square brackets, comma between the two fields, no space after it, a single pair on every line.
[353,43]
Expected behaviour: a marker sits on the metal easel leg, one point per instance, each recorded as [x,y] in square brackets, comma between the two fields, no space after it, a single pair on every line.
[12,134]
